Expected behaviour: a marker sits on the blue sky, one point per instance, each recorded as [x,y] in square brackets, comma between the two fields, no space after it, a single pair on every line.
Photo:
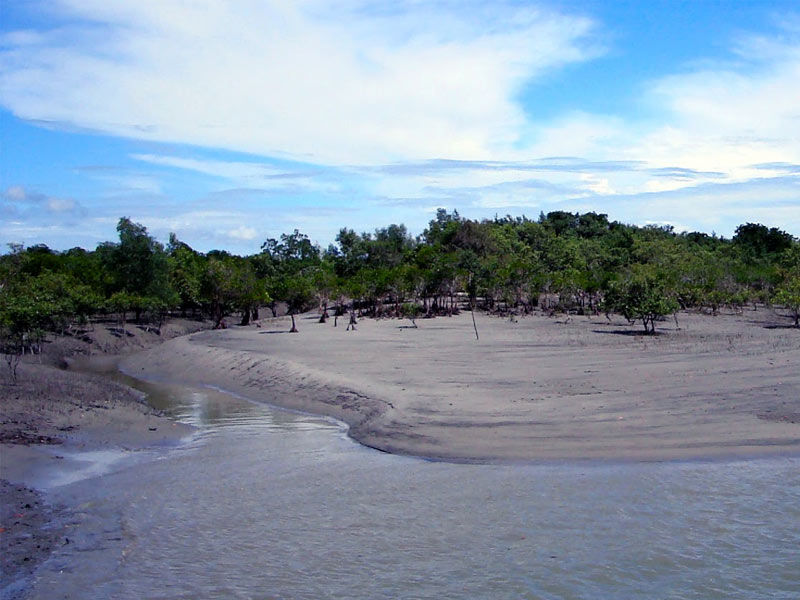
[228,122]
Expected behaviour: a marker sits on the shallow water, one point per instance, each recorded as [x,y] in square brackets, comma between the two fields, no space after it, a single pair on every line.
[264,503]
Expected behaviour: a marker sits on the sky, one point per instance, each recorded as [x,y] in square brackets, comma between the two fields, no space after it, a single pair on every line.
[229,122]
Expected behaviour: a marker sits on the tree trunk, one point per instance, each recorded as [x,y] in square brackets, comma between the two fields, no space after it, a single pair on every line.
[472,310]
[218,317]
[294,326]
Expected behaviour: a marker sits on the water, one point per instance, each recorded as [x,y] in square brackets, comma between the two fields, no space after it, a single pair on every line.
[269,504]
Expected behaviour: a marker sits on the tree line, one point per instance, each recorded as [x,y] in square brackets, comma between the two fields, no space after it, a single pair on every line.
[561,261]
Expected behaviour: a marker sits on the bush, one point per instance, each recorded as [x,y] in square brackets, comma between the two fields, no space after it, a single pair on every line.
[642,298]
[788,294]
[412,310]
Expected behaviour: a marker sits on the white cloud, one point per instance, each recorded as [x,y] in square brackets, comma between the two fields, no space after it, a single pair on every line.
[355,85]
[17,198]
[61,205]
[242,233]
[720,207]
[29,216]
[16,193]
[720,122]
[382,90]
[234,170]
[730,117]
[596,184]
[120,181]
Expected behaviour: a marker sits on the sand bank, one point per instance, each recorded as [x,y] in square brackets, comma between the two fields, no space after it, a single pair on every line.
[80,408]
[534,389]
[58,425]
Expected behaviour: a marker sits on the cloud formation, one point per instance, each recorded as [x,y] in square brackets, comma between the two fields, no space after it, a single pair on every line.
[303,111]
[17,200]
[358,84]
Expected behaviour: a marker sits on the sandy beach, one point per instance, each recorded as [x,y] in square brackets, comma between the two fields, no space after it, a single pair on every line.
[532,389]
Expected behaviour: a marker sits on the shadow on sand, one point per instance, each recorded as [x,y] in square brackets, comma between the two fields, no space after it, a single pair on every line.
[629,332]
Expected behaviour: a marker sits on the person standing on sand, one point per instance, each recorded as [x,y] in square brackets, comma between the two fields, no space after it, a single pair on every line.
[352,322]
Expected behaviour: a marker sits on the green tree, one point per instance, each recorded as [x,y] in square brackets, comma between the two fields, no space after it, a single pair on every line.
[31,306]
[249,291]
[411,311]
[641,296]
[186,269]
[291,253]
[137,265]
[217,288]
[760,241]
[299,293]
[788,294]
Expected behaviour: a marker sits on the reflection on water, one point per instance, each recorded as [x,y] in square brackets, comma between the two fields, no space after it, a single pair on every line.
[270,504]
[211,409]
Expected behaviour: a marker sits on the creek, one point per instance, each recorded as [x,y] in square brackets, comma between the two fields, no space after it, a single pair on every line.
[263,503]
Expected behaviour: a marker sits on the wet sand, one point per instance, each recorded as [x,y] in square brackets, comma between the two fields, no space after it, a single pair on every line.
[52,421]
[535,389]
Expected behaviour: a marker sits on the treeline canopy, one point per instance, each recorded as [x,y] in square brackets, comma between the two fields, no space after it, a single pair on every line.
[560,261]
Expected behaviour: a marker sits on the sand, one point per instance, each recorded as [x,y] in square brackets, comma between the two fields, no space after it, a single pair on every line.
[63,396]
[534,389]
[51,418]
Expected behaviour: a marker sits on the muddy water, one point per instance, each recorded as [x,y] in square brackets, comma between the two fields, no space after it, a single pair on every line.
[269,504]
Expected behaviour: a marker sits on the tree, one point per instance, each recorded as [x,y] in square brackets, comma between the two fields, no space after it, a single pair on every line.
[324,285]
[217,285]
[788,294]
[787,291]
[412,310]
[249,291]
[31,306]
[758,241]
[561,222]
[389,246]
[299,293]
[185,272]
[292,253]
[350,255]
[640,297]
[137,265]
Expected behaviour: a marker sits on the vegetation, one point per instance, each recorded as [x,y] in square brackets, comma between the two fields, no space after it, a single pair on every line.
[580,263]
[644,298]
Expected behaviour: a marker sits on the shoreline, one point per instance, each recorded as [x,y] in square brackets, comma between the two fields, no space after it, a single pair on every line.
[552,462]
[58,425]
[93,424]
[426,392]
[535,391]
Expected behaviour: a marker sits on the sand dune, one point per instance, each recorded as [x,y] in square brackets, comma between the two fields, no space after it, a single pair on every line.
[536,389]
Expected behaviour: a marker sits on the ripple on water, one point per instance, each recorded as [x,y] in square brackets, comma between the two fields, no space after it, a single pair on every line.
[270,504]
